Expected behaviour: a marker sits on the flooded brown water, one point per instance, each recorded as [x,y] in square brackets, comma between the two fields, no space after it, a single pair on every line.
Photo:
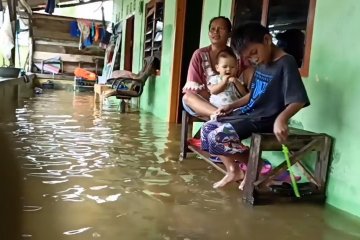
[106,175]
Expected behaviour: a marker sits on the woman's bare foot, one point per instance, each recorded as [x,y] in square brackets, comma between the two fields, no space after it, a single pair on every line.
[229,177]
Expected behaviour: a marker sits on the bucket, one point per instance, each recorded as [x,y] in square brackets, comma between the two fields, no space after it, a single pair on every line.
[9,72]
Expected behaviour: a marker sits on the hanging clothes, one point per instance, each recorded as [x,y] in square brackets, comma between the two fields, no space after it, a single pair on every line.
[97,33]
[84,27]
[26,6]
[105,38]
[74,29]
[6,36]
[50,6]
[1,18]
[93,30]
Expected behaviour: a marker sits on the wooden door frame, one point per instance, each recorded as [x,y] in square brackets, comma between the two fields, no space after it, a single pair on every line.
[126,52]
[177,60]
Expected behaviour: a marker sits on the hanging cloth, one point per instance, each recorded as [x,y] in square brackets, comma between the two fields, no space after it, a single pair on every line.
[98,31]
[50,6]
[74,29]
[6,36]
[84,27]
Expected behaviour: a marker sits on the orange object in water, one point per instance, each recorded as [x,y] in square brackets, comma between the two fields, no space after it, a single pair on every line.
[87,75]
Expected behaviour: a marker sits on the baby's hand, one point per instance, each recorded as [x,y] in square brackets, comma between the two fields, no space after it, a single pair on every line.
[225,78]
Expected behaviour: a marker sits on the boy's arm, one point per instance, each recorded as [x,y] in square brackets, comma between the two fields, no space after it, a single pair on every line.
[228,108]
[281,129]
[219,87]
[295,97]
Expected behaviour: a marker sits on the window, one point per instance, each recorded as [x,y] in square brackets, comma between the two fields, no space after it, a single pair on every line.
[247,11]
[290,23]
[154,25]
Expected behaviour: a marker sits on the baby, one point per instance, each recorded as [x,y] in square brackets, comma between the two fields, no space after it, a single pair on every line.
[226,87]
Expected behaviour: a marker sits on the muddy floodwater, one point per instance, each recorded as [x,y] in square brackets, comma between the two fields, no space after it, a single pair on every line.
[90,174]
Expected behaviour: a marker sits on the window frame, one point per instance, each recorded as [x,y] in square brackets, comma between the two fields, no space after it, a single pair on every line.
[304,70]
[147,8]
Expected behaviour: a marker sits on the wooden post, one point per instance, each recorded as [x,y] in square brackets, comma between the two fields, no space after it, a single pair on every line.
[31,43]
[31,54]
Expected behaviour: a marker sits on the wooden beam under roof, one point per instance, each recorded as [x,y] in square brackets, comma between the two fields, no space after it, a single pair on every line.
[63,4]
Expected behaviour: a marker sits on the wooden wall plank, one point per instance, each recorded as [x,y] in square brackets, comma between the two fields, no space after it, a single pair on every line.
[67,57]
[55,42]
[61,18]
[95,51]
[41,33]
[52,25]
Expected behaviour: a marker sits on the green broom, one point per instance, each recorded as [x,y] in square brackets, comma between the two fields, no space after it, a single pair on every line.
[286,152]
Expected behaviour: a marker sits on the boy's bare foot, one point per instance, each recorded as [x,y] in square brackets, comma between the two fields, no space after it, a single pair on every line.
[229,177]
[242,184]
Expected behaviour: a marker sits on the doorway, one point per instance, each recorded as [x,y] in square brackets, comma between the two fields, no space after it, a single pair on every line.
[187,40]
[129,43]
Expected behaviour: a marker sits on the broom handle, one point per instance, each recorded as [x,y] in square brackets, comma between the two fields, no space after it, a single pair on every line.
[292,177]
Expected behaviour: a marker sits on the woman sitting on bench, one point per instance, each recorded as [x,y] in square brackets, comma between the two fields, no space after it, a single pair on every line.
[202,67]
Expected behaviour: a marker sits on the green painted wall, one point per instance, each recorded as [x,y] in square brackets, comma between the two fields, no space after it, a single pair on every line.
[225,7]
[213,8]
[156,95]
[334,89]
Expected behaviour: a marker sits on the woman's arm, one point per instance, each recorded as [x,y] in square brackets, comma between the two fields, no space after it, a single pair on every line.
[240,87]
[248,76]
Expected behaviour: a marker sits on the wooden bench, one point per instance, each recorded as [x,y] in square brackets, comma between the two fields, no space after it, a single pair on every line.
[186,131]
[300,143]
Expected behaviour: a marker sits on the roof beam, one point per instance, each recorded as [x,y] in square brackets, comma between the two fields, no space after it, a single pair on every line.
[41,7]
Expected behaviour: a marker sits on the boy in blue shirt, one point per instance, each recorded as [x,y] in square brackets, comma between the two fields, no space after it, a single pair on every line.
[277,93]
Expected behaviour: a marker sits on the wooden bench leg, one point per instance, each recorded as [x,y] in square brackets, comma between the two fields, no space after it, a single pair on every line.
[122,106]
[96,97]
[184,135]
[321,167]
[253,168]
